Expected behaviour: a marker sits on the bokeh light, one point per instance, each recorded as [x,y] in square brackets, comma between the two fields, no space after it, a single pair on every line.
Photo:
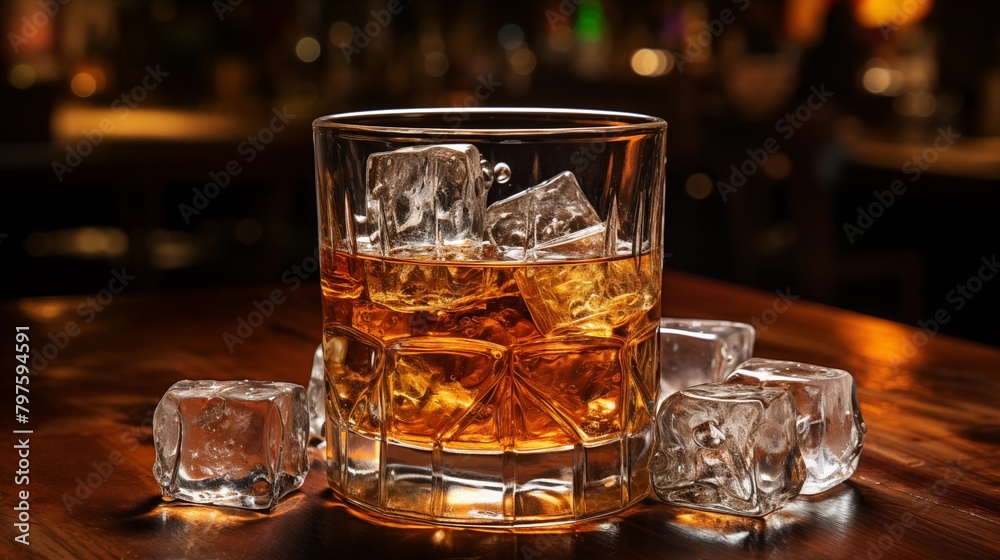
[698,186]
[83,85]
[651,62]
[778,166]
[590,24]
[21,76]
[880,79]
[891,13]
[436,64]
[307,49]
[522,61]
[511,36]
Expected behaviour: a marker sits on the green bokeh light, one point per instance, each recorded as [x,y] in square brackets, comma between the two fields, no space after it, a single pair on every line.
[590,22]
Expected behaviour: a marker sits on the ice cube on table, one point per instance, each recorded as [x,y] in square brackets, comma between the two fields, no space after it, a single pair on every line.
[430,196]
[231,443]
[696,351]
[555,212]
[316,391]
[830,429]
[728,448]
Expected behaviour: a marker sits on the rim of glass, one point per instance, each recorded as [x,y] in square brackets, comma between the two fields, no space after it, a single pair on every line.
[618,122]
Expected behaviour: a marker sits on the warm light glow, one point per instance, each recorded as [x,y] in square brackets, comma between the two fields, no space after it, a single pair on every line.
[307,49]
[778,166]
[698,186]
[715,528]
[891,14]
[171,250]
[877,80]
[651,62]
[101,242]
[42,309]
[21,76]
[68,122]
[83,85]
[523,61]
[880,79]
[804,20]
[436,64]
[561,39]
[86,242]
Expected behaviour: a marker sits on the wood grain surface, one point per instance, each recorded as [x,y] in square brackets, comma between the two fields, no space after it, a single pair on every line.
[928,485]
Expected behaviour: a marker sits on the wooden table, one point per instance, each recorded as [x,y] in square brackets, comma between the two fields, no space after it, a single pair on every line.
[928,484]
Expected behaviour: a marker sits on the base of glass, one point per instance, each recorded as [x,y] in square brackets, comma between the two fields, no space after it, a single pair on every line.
[489,489]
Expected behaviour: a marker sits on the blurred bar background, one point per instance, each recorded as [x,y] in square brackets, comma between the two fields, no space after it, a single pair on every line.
[843,151]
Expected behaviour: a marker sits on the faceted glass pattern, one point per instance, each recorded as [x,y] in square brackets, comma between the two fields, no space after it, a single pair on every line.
[494,365]
[830,429]
[231,443]
[504,426]
[728,448]
[529,389]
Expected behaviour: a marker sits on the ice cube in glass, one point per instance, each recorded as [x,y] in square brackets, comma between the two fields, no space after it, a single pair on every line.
[426,196]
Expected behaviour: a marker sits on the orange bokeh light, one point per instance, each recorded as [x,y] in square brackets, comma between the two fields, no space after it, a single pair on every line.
[891,13]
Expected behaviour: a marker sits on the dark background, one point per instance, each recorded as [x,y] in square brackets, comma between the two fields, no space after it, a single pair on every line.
[79,202]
